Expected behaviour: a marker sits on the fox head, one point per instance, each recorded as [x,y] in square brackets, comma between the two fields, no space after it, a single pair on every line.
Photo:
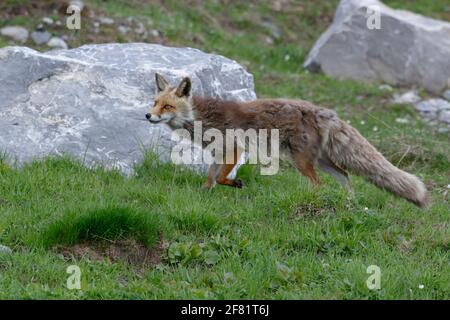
[173,105]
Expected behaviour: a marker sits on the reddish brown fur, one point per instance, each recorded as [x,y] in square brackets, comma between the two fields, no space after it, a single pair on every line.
[311,135]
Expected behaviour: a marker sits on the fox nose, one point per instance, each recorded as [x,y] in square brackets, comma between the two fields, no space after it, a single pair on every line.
[148,116]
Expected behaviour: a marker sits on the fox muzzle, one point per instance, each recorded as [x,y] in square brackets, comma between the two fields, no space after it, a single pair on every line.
[158,119]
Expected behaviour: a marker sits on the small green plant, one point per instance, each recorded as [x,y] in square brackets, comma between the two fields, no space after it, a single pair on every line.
[209,252]
[187,252]
[4,168]
[285,275]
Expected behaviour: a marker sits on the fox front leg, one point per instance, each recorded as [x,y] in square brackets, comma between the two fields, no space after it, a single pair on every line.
[228,166]
[218,173]
[222,177]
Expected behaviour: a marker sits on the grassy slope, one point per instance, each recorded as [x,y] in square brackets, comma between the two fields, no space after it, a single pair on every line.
[276,238]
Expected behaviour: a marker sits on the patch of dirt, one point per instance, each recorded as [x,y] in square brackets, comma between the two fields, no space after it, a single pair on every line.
[129,251]
[308,210]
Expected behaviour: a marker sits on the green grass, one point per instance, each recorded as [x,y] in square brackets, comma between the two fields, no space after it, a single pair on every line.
[277,238]
[108,224]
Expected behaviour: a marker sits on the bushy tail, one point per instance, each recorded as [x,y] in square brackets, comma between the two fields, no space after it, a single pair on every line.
[346,147]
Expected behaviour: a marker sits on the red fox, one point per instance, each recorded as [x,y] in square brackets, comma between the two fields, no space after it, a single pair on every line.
[312,136]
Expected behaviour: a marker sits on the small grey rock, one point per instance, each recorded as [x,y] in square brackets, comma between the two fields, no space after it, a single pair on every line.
[432,105]
[57,43]
[19,34]
[40,27]
[40,37]
[123,29]
[155,33]
[5,250]
[406,98]
[385,87]
[444,116]
[106,21]
[437,110]
[268,40]
[277,5]
[446,95]
[274,29]
[140,29]
[96,24]
[77,3]
[402,120]
[48,21]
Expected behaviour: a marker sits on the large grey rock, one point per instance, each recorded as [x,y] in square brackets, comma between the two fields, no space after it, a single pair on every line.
[409,49]
[89,102]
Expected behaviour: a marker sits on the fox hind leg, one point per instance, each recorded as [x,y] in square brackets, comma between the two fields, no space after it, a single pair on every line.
[213,172]
[306,166]
[341,176]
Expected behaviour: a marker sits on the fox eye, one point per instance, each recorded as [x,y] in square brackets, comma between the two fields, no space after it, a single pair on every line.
[168,107]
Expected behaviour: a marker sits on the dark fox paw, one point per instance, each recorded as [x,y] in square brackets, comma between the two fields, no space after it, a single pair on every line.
[238,183]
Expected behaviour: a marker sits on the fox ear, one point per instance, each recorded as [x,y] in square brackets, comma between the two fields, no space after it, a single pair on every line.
[161,83]
[184,88]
